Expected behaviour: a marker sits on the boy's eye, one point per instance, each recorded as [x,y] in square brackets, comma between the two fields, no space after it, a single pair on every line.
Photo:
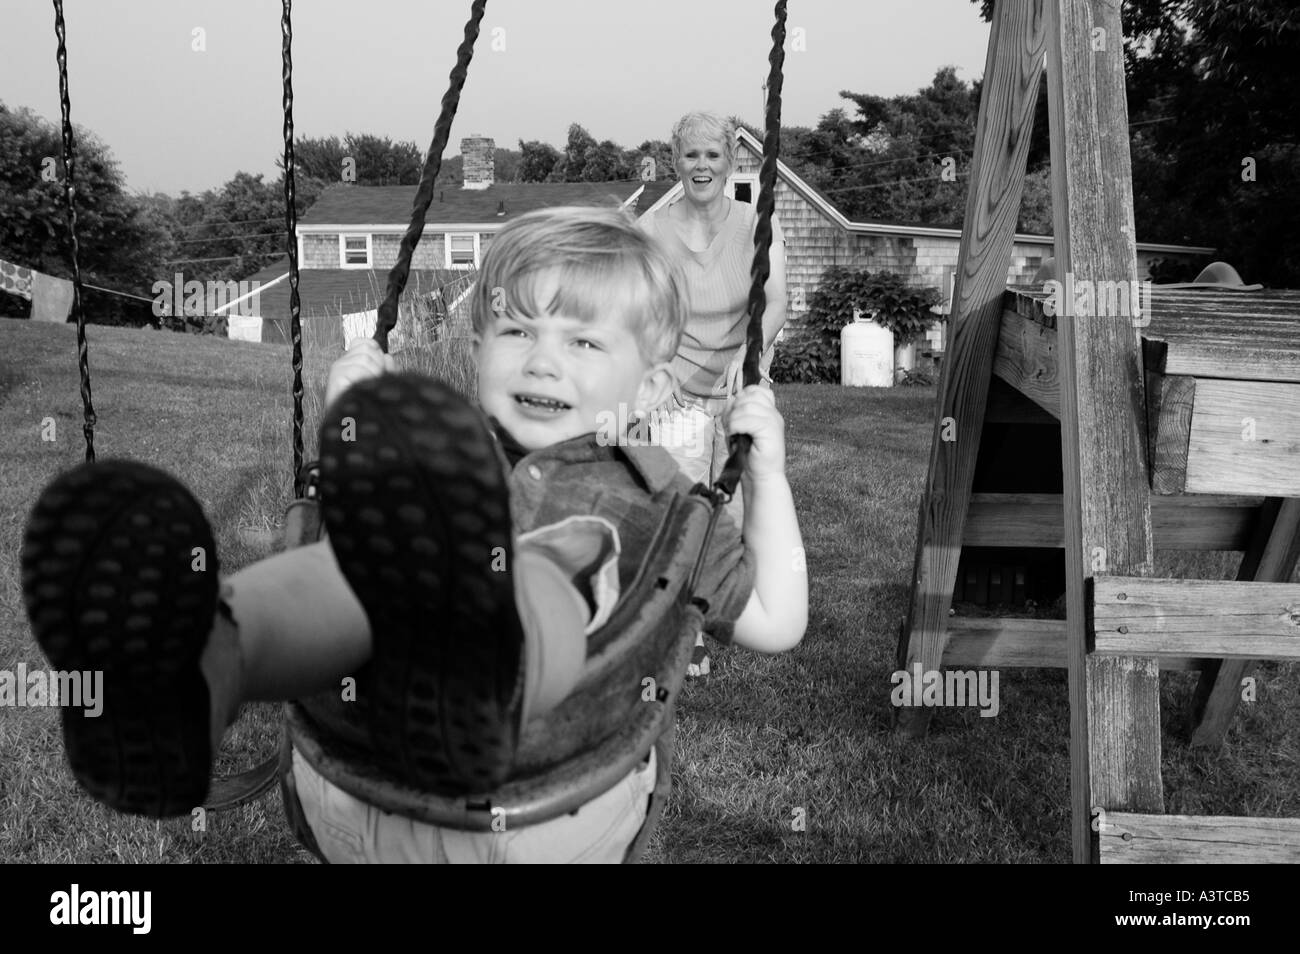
[586,343]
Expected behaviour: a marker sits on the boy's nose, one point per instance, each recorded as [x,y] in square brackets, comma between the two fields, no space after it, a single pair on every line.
[541,361]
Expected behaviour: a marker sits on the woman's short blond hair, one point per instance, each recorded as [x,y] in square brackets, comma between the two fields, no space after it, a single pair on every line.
[707,126]
[605,265]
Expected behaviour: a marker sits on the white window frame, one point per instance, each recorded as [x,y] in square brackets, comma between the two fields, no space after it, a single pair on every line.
[750,178]
[343,250]
[446,246]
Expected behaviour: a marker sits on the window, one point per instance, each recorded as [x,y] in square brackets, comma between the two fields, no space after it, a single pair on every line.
[743,187]
[354,251]
[462,250]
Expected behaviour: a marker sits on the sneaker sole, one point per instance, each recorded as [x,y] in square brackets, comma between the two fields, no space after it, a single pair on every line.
[417,511]
[110,586]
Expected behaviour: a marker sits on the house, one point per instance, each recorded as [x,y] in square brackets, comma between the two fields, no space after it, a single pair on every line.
[350,237]
[817,236]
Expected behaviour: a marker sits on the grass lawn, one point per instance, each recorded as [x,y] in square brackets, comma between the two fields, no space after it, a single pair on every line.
[758,740]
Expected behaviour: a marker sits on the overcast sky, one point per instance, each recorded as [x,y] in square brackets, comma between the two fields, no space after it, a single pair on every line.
[176,118]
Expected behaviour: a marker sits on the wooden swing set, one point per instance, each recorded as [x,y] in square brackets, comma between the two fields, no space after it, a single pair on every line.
[607,725]
[1178,428]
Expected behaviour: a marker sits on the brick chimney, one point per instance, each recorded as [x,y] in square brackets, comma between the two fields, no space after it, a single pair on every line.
[478,161]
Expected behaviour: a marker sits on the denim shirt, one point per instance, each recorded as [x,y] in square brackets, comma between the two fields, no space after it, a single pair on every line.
[630,486]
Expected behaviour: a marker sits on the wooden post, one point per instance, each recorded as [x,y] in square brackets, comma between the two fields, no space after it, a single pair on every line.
[1114,702]
[1012,72]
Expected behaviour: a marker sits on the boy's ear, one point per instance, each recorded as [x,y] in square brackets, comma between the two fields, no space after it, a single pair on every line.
[656,386]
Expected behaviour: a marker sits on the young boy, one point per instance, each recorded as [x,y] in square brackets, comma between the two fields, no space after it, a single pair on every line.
[465,565]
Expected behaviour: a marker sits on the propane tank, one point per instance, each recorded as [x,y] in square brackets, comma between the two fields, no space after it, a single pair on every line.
[866,354]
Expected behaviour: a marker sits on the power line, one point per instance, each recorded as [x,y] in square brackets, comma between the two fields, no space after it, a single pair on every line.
[223,258]
[896,182]
[204,225]
[224,238]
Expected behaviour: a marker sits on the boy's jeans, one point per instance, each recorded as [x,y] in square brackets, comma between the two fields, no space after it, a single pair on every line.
[349,830]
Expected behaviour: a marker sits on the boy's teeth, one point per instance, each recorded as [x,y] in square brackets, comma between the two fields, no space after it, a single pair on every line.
[546,403]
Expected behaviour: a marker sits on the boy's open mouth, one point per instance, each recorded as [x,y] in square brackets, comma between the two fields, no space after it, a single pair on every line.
[538,403]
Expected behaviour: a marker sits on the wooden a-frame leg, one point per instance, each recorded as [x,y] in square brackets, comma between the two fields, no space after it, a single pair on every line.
[1114,701]
[1012,71]
[1271,558]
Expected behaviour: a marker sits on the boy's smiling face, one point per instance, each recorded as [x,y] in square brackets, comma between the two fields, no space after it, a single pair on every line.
[554,377]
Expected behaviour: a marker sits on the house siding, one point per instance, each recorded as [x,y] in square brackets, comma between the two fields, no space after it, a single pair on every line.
[320,251]
[815,242]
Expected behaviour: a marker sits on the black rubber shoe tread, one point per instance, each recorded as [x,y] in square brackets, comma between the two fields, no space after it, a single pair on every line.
[417,512]
[109,583]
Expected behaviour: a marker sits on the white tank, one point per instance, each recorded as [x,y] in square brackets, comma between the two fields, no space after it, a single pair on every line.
[866,354]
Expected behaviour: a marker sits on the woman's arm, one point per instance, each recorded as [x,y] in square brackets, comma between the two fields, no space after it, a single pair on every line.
[775,315]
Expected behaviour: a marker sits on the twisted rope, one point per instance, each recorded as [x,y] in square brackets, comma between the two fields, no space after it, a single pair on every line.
[432,164]
[291,227]
[762,267]
[69,163]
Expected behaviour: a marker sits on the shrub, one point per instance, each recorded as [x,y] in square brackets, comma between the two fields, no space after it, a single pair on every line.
[814,356]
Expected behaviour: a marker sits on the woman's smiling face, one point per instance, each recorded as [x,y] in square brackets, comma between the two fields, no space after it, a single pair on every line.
[703,168]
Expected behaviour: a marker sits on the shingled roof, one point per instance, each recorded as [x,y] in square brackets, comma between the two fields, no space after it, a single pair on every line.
[391,205]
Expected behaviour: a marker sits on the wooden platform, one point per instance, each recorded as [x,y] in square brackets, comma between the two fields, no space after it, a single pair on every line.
[1222,383]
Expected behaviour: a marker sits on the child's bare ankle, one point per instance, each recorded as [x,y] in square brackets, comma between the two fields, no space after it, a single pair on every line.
[221,665]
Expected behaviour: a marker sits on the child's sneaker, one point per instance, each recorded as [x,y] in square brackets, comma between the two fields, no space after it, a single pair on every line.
[120,577]
[699,665]
[416,506]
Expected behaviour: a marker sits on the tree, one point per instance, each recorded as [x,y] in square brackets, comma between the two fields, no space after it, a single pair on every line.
[574,158]
[121,239]
[1215,128]
[537,160]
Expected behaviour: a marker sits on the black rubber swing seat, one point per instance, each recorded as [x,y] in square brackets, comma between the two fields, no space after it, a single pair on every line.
[113,583]
[416,508]
[622,705]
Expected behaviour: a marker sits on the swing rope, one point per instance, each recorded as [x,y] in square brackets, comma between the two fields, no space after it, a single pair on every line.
[69,163]
[762,267]
[724,488]
[291,227]
[432,164]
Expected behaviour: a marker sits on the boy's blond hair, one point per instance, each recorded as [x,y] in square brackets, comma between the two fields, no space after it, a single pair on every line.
[605,265]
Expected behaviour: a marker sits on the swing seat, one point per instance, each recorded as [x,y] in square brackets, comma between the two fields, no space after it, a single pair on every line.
[621,707]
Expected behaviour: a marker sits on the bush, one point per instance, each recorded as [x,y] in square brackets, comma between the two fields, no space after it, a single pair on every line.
[814,356]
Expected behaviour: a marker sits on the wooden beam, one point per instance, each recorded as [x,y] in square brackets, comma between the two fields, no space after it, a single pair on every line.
[1011,77]
[1245,439]
[1178,522]
[1026,360]
[1271,557]
[1170,402]
[1130,838]
[1020,644]
[1205,357]
[1218,619]
[1006,405]
[1114,702]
